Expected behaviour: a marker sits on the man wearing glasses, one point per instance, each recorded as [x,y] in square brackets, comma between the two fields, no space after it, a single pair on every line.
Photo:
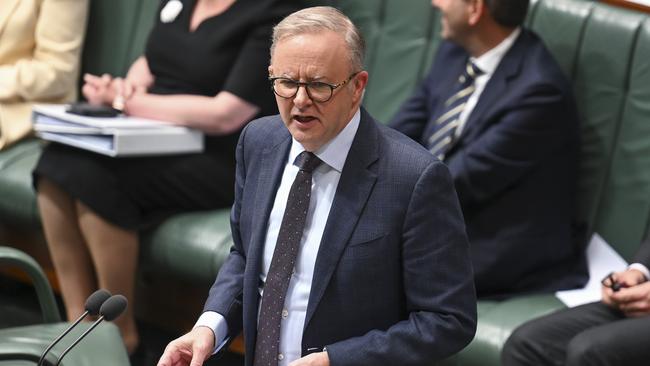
[349,245]
[611,332]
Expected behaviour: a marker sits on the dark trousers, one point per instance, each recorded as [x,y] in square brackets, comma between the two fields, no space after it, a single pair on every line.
[587,335]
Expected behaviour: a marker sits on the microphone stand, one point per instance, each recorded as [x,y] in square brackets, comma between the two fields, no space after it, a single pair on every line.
[95,324]
[40,360]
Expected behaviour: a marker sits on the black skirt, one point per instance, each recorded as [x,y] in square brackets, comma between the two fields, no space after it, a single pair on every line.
[137,192]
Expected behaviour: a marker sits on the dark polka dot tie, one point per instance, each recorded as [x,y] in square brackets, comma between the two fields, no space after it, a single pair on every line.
[283,262]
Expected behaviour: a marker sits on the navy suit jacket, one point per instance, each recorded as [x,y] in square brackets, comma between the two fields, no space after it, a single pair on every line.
[392,282]
[514,167]
[643,253]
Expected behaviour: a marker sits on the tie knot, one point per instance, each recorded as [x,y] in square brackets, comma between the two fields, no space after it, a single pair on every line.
[470,73]
[307,161]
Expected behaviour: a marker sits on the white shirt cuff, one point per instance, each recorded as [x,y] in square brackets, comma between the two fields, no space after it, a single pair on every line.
[217,323]
[641,268]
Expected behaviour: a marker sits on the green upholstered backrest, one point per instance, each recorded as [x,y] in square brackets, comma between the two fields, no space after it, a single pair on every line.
[145,21]
[561,25]
[401,40]
[624,211]
[577,32]
[117,31]
[17,199]
[601,82]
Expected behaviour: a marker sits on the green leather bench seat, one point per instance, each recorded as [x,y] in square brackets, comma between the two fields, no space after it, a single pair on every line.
[192,246]
[99,348]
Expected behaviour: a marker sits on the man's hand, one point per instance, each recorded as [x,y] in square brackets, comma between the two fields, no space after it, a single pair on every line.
[626,279]
[314,359]
[633,301]
[192,349]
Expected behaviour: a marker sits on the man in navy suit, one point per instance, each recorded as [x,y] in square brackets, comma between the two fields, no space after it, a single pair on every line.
[497,109]
[370,265]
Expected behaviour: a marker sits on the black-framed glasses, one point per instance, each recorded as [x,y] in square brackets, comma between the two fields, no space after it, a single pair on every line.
[317,91]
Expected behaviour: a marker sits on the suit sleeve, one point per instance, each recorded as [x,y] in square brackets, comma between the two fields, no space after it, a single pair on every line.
[413,115]
[52,70]
[540,123]
[438,285]
[643,254]
[226,293]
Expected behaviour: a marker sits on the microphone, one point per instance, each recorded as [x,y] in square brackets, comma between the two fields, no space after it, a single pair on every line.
[111,309]
[92,307]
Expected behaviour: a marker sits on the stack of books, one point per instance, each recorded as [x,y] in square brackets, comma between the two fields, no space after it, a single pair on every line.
[114,136]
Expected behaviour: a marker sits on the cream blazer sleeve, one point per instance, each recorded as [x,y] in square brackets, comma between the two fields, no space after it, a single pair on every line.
[40,50]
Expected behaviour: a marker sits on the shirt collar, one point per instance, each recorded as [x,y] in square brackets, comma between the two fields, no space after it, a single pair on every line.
[334,152]
[489,61]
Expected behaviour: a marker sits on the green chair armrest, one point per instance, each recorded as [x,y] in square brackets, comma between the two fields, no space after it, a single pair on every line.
[14,257]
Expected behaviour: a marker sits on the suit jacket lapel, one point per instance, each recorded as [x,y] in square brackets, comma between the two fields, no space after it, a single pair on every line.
[496,88]
[7,8]
[272,166]
[354,188]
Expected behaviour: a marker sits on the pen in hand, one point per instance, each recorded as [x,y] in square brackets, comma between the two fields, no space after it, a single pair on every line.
[610,281]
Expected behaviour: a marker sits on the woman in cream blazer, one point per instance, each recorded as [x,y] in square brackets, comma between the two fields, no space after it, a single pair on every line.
[40,48]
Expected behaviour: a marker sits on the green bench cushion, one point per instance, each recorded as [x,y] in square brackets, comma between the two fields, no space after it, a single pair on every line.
[191,246]
[102,347]
[497,320]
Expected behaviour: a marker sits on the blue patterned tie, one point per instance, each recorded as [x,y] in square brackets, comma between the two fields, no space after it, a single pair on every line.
[443,136]
[283,262]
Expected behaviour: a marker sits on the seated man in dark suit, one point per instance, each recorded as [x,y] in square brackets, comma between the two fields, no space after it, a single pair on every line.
[498,111]
[614,331]
[363,259]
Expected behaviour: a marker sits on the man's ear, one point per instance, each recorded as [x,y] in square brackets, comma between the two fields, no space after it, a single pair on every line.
[270,70]
[477,9]
[360,82]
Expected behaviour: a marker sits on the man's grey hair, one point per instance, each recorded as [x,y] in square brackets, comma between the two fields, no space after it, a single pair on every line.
[318,19]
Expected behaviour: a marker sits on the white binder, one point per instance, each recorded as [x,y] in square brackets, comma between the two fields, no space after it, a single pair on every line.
[114,136]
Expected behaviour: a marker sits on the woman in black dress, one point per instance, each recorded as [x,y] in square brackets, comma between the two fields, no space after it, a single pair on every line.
[205,67]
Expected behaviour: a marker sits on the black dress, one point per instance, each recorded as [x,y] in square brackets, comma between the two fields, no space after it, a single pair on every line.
[228,52]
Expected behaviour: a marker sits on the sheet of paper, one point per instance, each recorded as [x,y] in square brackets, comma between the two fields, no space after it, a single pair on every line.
[642,2]
[601,259]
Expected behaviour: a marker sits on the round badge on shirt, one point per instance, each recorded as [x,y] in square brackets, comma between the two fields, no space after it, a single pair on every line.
[170,11]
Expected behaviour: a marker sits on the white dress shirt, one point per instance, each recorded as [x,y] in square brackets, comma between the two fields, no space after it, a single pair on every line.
[488,63]
[325,180]
[641,268]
